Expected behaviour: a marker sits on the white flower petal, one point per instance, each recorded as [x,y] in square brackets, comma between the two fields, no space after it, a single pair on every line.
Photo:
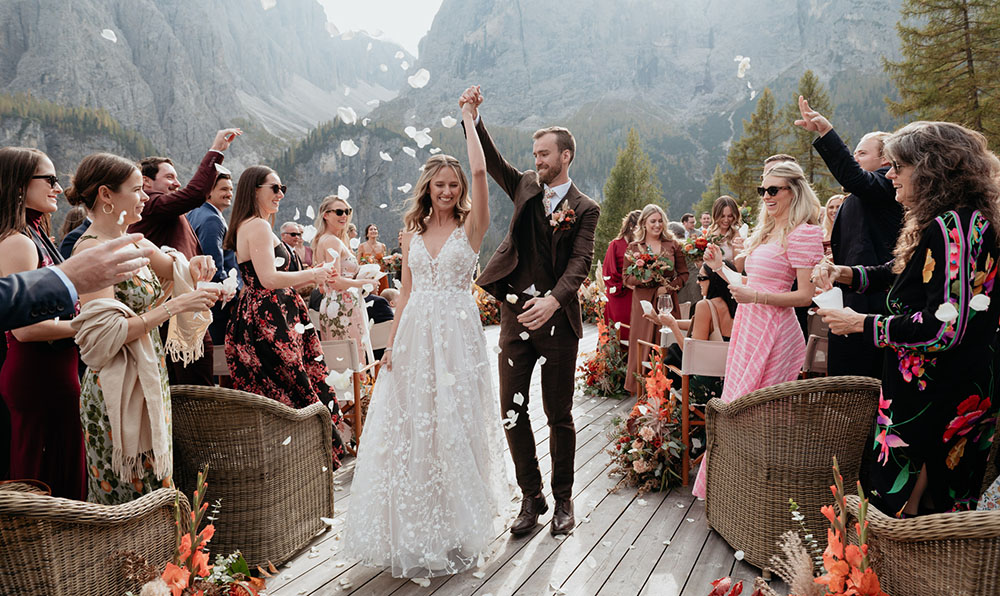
[383,205]
[343,192]
[296,216]
[410,151]
[365,121]
[399,55]
[419,78]
[448,122]
[423,139]
[946,313]
[355,243]
[327,520]
[308,232]
[410,131]
[404,65]
[518,399]
[738,555]
[510,362]
[405,188]
[109,35]
[385,156]
[434,150]
[383,68]
[310,213]
[512,298]
[542,360]
[121,218]
[300,328]
[279,261]
[979,302]
[347,90]
[348,148]
[497,349]
[373,103]
[423,582]
[591,562]
[524,335]
[287,440]
[347,115]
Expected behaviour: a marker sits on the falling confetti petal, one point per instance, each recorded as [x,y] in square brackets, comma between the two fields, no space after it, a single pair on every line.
[552,332]
[744,64]
[268,4]
[410,151]
[517,562]
[287,440]
[497,349]
[300,328]
[121,218]
[423,582]
[373,103]
[347,115]
[348,148]
[448,122]
[318,358]
[512,298]
[753,94]
[510,362]
[423,139]
[297,216]
[524,335]
[591,562]
[405,188]
[355,243]
[279,261]
[478,574]
[410,131]
[690,520]
[308,233]
[666,543]
[399,55]
[310,213]
[738,555]
[419,78]
[641,502]
[404,65]
[327,520]
[434,150]
[542,360]
[383,68]
[347,91]
[385,156]
[383,205]
[109,35]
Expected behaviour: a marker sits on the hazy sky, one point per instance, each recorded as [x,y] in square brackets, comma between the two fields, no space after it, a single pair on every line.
[402,21]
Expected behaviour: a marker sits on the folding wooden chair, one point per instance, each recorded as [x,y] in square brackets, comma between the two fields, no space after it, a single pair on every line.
[220,368]
[380,339]
[703,358]
[342,355]
[817,347]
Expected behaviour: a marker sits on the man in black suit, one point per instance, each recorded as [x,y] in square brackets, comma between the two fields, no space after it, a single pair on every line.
[49,292]
[864,232]
[69,241]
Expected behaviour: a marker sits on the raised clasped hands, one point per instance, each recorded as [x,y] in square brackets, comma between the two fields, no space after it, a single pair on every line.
[811,119]
[202,268]
[324,275]
[470,101]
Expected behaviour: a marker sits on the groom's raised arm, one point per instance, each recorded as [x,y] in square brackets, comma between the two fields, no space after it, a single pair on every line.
[578,266]
[505,174]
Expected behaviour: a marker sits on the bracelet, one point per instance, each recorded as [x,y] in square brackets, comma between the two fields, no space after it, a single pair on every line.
[387,349]
[167,308]
[145,326]
[765,297]
[755,296]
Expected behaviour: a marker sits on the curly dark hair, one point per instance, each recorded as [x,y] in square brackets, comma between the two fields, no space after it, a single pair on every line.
[952,168]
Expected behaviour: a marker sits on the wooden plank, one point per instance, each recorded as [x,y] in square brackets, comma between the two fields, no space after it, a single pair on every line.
[678,558]
[715,560]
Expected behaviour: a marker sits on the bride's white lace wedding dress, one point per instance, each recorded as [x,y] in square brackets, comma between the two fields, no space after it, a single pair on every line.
[431,483]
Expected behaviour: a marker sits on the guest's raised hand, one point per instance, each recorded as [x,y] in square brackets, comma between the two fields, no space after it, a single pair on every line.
[713,257]
[224,138]
[324,275]
[842,321]
[202,268]
[743,294]
[811,119]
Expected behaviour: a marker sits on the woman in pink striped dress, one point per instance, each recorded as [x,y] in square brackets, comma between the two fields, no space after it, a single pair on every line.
[767,345]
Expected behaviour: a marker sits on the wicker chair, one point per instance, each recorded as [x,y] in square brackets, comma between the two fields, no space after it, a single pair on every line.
[776,444]
[55,546]
[273,493]
[946,553]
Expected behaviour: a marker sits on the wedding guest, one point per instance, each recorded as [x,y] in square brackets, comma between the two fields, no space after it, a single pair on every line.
[391,295]
[128,446]
[210,226]
[687,220]
[706,222]
[864,233]
[291,234]
[163,223]
[677,229]
[726,222]
[778,158]
[74,217]
[937,412]
[397,274]
[46,439]
[373,251]
[829,216]
[288,366]
[768,346]
[352,233]
[339,305]
[651,236]
[619,307]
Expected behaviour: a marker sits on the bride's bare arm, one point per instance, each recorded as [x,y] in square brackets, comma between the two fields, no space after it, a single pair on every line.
[404,296]
[479,220]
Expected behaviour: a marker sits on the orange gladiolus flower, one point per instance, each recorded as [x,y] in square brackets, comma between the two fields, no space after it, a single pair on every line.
[206,533]
[176,578]
[184,550]
[199,561]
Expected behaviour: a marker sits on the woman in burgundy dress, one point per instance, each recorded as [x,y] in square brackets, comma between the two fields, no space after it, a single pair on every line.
[39,381]
[619,295]
[271,347]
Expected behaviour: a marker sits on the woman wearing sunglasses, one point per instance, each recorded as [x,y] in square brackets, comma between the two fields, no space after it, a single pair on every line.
[340,306]
[271,347]
[46,438]
[937,413]
[768,346]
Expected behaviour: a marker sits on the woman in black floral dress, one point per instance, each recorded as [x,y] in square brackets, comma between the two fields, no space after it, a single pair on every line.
[271,347]
[937,413]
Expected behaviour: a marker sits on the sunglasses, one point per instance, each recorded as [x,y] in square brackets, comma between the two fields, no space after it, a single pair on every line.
[896,166]
[703,278]
[340,212]
[293,234]
[274,187]
[771,190]
[51,179]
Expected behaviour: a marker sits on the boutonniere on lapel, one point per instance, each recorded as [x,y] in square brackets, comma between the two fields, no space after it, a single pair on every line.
[563,218]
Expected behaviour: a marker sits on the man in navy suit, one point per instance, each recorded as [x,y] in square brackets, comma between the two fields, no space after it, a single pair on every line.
[864,232]
[210,226]
[69,241]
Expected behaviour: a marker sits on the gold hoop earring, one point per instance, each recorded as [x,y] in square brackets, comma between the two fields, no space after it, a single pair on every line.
[107,209]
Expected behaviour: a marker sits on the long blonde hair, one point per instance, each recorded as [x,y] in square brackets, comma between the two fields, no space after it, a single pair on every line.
[640,228]
[804,208]
[952,167]
[825,218]
[325,206]
[414,220]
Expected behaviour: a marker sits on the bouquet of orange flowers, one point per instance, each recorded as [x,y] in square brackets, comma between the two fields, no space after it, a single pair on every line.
[393,262]
[489,307]
[646,447]
[650,269]
[694,247]
[602,373]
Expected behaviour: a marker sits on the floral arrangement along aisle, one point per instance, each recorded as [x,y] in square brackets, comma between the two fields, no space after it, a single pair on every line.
[489,307]
[189,573]
[646,447]
[845,568]
[602,373]
[592,299]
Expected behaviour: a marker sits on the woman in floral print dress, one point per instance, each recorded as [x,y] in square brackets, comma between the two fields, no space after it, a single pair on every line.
[937,413]
[271,347]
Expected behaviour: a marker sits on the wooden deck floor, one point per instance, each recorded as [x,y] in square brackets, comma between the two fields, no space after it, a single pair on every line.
[658,544]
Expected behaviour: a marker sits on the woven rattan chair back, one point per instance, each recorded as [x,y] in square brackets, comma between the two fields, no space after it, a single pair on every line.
[776,444]
[61,547]
[268,463]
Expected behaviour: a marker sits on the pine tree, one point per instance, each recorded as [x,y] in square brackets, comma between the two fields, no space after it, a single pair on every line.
[632,184]
[949,48]
[802,140]
[713,191]
[746,156]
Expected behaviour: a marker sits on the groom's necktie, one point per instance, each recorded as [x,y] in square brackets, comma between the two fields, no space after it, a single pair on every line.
[547,200]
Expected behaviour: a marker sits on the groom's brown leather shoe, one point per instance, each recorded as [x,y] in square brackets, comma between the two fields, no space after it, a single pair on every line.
[531,508]
[562,518]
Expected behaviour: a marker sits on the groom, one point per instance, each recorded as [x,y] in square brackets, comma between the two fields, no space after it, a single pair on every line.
[535,274]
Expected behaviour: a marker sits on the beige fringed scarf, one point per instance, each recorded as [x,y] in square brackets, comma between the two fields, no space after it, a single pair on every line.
[129,375]
[187,330]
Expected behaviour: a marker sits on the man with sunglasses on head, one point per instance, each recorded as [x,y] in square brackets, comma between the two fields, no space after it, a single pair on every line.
[164,224]
[864,232]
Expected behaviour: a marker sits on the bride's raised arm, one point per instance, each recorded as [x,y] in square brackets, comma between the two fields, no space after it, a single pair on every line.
[478,221]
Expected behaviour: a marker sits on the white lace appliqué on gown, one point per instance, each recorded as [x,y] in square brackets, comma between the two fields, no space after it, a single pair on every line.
[430,486]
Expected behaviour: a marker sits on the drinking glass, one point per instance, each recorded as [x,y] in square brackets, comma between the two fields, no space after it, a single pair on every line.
[664,304]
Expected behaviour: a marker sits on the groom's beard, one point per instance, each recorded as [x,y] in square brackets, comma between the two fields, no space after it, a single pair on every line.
[550,173]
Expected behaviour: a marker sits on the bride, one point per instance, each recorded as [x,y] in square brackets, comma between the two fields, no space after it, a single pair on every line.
[430,480]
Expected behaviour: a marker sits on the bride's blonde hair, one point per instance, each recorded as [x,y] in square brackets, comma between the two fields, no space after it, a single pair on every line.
[804,208]
[420,201]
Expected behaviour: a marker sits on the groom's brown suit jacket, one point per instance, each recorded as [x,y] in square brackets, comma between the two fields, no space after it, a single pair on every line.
[572,249]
